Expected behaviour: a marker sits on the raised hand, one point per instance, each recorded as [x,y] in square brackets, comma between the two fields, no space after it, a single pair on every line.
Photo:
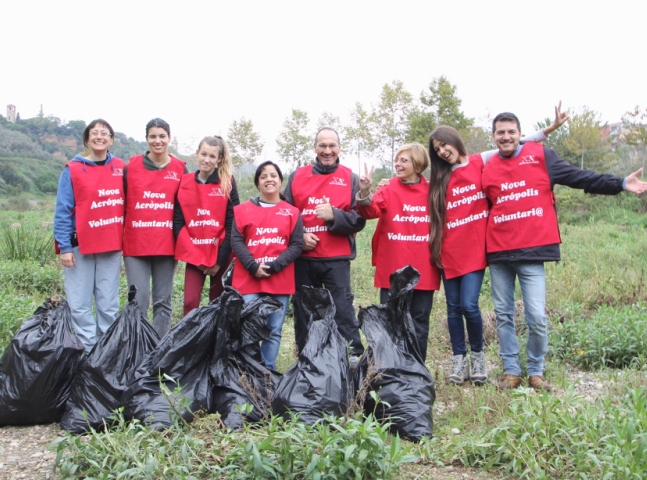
[324,210]
[366,181]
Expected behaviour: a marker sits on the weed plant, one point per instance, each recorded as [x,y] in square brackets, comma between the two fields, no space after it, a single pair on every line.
[609,338]
[14,309]
[547,436]
[30,277]
[26,243]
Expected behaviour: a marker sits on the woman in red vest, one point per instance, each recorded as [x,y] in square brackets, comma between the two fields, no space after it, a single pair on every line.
[151,182]
[203,216]
[267,237]
[459,213]
[402,234]
[88,229]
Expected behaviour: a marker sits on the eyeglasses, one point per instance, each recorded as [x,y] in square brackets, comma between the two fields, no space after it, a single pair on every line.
[100,133]
[324,146]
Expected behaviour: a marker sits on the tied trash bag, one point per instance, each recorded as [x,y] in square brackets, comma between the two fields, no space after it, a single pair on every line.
[37,368]
[320,382]
[397,372]
[238,372]
[108,369]
[180,361]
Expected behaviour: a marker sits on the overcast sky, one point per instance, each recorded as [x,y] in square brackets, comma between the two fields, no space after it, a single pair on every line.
[201,65]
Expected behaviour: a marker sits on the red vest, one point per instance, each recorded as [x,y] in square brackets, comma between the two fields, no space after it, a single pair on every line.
[204,206]
[267,232]
[148,228]
[308,190]
[523,205]
[402,234]
[466,214]
[99,197]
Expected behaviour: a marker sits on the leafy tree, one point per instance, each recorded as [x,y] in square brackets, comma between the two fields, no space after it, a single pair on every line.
[635,131]
[477,139]
[327,119]
[245,144]
[293,141]
[585,140]
[359,138]
[389,120]
[440,106]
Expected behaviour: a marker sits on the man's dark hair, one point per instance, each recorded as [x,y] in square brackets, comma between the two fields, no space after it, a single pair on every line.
[505,117]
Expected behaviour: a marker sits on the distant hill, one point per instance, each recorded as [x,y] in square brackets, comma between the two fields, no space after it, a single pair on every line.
[34,151]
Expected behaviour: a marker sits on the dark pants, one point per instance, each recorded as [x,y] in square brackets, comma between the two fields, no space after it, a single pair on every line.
[193,283]
[421,303]
[335,276]
[462,294]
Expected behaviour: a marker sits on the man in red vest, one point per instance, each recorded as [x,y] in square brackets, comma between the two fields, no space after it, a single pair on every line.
[522,234]
[324,193]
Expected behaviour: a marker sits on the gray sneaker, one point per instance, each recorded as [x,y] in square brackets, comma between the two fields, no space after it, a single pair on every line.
[460,370]
[478,374]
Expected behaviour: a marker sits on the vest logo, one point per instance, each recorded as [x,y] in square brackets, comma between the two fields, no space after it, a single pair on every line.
[338,181]
[172,176]
[216,192]
[118,172]
[285,212]
[528,160]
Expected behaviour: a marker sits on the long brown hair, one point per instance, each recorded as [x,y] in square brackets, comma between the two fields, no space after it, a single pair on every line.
[439,173]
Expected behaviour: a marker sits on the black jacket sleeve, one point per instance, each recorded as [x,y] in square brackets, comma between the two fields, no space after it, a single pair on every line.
[348,222]
[563,173]
[225,249]
[241,251]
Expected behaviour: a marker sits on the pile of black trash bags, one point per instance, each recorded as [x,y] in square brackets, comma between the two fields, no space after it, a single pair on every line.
[211,362]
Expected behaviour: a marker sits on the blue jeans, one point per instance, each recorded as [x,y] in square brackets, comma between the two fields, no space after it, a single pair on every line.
[270,346]
[462,295]
[533,291]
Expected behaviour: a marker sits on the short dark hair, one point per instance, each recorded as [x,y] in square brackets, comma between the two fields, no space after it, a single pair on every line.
[260,168]
[158,123]
[505,117]
[91,125]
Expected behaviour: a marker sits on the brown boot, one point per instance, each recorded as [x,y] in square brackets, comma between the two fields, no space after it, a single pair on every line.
[508,382]
[539,383]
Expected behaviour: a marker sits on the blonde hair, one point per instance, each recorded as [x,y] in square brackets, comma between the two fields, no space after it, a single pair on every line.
[225,170]
[419,156]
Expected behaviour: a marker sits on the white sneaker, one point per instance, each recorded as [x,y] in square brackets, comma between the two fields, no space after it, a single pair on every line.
[478,373]
[460,370]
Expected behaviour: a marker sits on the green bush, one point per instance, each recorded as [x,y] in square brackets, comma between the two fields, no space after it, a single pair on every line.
[548,436]
[31,277]
[26,243]
[14,309]
[609,338]
[349,449]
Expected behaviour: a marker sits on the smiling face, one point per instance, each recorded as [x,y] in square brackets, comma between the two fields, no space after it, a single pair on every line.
[100,140]
[327,148]
[446,152]
[269,182]
[506,137]
[158,140]
[208,158]
[404,168]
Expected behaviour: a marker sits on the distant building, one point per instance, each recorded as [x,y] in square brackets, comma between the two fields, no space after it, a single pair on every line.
[613,134]
[11,113]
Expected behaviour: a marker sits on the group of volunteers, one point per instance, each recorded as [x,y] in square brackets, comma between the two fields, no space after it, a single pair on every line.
[493,209]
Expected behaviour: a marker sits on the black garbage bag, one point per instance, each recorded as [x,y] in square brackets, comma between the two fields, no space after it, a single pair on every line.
[108,369]
[238,372]
[37,368]
[399,377]
[320,382]
[173,380]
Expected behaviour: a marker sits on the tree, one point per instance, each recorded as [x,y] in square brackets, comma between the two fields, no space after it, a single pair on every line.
[245,144]
[358,136]
[389,120]
[293,141]
[584,138]
[556,139]
[327,119]
[440,106]
[636,131]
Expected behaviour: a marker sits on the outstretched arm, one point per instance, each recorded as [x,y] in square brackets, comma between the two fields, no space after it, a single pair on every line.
[633,184]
